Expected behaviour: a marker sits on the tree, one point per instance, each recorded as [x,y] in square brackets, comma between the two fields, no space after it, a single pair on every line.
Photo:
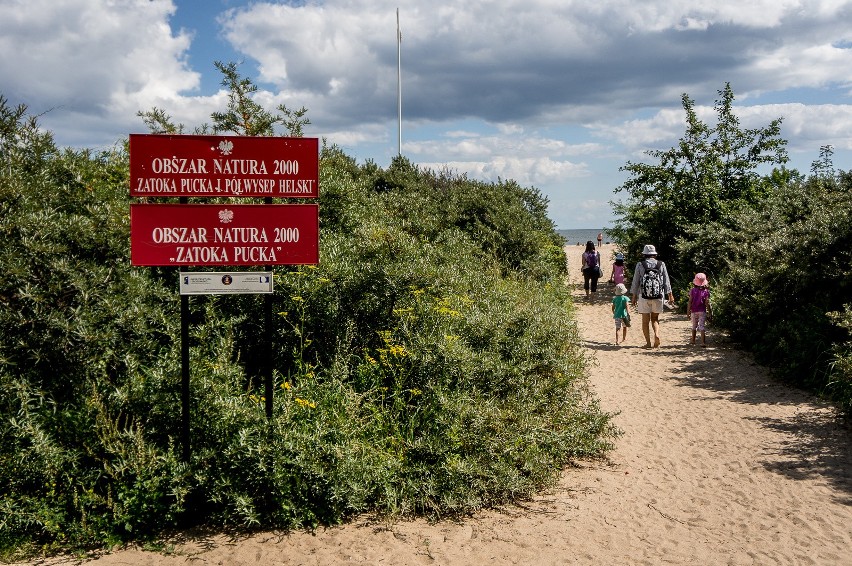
[787,264]
[823,167]
[244,116]
[711,172]
[159,122]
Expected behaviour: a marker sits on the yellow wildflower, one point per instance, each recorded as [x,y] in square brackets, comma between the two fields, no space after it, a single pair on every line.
[447,311]
[398,351]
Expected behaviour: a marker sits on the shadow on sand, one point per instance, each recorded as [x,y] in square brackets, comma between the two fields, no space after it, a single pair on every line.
[816,441]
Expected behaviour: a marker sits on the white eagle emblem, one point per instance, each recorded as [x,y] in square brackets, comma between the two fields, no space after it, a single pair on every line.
[226,146]
[225,216]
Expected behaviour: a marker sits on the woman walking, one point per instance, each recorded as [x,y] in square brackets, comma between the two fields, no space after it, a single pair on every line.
[591,269]
[650,287]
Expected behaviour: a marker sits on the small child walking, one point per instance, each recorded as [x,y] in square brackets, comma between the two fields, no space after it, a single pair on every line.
[618,273]
[699,304]
[620,313]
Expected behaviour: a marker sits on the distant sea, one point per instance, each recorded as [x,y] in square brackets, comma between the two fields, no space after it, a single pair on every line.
[572,237]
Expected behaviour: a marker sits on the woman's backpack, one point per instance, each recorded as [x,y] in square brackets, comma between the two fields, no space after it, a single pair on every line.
[652,281]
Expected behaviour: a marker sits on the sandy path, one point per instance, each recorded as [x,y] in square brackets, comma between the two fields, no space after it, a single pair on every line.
[717,465]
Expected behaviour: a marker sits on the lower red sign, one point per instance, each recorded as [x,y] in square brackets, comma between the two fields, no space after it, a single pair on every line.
[221,235]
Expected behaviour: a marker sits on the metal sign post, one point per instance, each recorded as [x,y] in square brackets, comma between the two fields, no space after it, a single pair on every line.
[184,372]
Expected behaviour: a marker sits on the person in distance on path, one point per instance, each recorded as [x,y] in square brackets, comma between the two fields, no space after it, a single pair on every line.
[591,268]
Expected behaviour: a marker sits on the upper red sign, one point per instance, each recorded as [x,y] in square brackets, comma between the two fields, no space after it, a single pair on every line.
[223,166]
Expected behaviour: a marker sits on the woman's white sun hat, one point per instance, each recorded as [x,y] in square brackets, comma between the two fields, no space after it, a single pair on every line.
[649,250]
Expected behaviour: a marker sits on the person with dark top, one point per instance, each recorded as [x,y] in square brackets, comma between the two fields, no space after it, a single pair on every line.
[591,269]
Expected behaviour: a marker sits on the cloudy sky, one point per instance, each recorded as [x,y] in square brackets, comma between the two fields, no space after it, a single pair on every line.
[556,94]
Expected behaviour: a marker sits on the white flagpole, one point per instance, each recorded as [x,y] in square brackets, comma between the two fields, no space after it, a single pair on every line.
[399,84]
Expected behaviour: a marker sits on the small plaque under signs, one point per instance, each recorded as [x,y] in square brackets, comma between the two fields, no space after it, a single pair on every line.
[225,282]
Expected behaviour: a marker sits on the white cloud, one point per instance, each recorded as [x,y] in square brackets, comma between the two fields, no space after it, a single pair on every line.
[91,65]
[526,171]
[534,58]
[534,170]
[542,91]
[461,134]
[482,145]
[581,212]
[660,130]
[805,127]
[510,129]
[352,137]
[801,63]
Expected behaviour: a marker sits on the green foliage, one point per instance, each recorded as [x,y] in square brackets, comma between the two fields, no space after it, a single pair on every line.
[782,285]
[506,221]
[430,364]
[839,381]
[780,269]
[777,247]
[245,116]
[78,435]
[708,175]
[159,122]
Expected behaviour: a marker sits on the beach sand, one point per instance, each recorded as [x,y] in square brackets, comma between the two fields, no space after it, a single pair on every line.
[717,464]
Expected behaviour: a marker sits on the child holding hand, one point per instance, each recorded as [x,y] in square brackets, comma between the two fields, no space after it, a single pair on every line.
[620,313]
[699,304]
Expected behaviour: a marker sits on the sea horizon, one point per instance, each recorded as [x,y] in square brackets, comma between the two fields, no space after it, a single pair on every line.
[579,236]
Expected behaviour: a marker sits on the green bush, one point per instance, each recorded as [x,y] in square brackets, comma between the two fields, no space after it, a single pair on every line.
[777,248]
[840,375]
[781,284]
[429,365]
[710,174]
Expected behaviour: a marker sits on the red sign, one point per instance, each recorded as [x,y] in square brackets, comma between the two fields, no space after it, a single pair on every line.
[223,166]
[224,234]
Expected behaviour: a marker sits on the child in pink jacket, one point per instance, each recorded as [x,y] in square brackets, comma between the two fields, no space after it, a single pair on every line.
[699,305]
[619,273]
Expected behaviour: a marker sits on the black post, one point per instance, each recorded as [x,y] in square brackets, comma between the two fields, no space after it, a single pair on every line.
[267,364]
[184,369]
[184,377]
[267,341]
